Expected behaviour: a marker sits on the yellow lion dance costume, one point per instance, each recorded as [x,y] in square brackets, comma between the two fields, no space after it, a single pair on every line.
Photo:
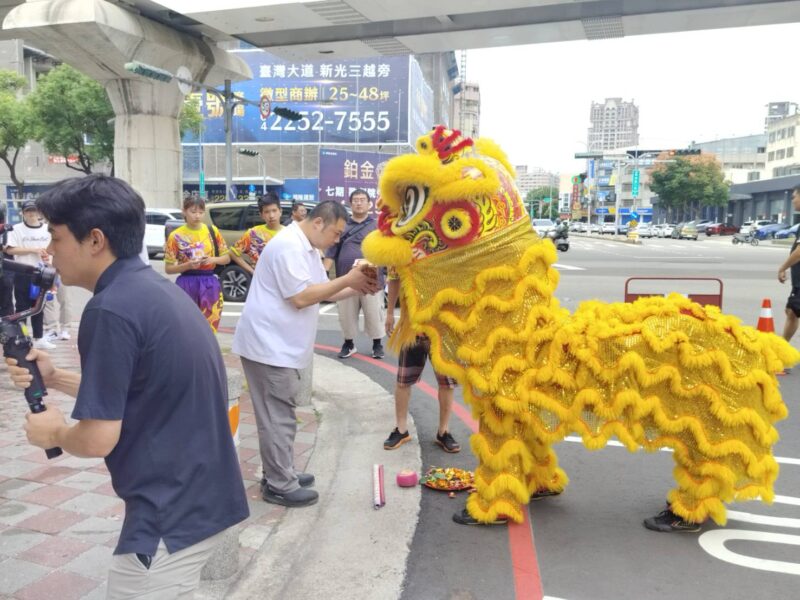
[660,372]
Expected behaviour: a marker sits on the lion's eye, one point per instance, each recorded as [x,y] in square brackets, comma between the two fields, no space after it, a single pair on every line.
[413,203]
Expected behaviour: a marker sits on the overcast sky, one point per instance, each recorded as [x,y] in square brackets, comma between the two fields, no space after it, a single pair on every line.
[535,100]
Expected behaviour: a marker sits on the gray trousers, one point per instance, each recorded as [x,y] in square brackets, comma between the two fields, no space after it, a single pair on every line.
[274,391]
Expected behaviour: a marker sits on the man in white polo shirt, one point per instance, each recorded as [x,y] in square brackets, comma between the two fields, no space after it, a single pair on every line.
[275,338]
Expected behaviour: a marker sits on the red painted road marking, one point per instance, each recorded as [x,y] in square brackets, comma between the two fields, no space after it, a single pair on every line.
[524,562]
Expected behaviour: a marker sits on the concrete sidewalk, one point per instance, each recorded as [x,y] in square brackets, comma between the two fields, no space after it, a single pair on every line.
[59,519]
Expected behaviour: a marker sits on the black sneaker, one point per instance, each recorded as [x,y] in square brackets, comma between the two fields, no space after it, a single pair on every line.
[462,517]
[667,521]
[447,443]
[294,499]
[377,351]
[538,495]
[348,349]
[304,479]
[396,439]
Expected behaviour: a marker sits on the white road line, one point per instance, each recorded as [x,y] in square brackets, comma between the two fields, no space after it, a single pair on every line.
[779,459]
[563,267]
[744,517]
[326,309]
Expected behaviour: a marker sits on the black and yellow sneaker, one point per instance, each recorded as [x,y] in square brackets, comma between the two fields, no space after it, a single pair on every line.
[396,439]
[447,442]
[540,494]
[667,521]
[462,517]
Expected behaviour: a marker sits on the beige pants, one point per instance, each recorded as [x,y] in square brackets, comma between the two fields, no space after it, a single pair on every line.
[372,305]
[170,576]
[56,311]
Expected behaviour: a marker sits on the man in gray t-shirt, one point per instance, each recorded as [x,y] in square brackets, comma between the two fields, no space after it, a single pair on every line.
[344,255]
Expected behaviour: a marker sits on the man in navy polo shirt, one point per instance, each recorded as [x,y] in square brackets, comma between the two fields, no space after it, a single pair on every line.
[151,397]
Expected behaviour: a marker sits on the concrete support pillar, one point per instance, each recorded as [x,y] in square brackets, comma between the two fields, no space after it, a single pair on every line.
[98,37]
[147,144]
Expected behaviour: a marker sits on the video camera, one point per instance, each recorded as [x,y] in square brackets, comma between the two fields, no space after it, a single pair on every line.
[16,343]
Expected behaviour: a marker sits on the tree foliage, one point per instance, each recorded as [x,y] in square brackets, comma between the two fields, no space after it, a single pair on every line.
[191,119]
[73,118]
[549,210]
[686,184]
[15,123]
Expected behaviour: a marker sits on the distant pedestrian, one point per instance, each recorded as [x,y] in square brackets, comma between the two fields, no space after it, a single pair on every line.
[194,250]
[57,313]
[27,243]
[299,212]
[151,399]
[275,338]
[793,263]
[343,255]
[247,250]
[411,363]
[7,279]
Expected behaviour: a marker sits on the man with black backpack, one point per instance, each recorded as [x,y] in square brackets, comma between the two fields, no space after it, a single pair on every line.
[344,255]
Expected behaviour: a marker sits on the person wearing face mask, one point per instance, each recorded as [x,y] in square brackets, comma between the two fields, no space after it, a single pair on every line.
[194,250]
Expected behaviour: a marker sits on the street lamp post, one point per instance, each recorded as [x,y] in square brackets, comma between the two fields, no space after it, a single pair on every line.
[263,165]
[228,100]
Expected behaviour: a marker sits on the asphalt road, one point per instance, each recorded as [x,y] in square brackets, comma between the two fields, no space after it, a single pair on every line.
[589,541]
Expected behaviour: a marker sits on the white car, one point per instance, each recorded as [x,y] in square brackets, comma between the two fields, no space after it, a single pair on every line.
[609,228]
[755,225]
[542,226]
[664,230]
[154,219]
[644,230]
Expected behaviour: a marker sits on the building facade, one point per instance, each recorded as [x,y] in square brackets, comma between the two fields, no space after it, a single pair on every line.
[614,124]
[531,178]
[783,146]
[742,158]
[467,110]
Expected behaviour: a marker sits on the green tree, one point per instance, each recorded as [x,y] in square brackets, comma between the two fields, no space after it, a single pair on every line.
[549,209]
[191,119]
[686,184]
[73,118]
[15,124]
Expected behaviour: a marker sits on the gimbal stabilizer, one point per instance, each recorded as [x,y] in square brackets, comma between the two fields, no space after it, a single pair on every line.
[17,344]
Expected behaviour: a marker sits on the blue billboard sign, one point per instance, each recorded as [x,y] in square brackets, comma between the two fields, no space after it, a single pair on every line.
[343,101]
[601,211]
[342,171]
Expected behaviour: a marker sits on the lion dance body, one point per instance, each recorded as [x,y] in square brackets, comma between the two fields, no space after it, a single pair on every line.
[660,372]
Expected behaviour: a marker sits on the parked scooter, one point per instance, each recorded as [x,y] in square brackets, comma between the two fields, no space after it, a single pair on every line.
[560,237]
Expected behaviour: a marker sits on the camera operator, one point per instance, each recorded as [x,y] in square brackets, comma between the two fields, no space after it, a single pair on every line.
[161,427]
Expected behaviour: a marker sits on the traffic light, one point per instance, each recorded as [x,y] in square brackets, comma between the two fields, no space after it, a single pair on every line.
[287,113]
[684,152]
[148,71]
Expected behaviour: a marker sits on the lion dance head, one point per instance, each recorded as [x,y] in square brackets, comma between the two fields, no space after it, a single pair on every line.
[453,192]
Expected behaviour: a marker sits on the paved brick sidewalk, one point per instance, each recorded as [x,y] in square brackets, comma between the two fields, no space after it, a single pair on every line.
[59,519]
